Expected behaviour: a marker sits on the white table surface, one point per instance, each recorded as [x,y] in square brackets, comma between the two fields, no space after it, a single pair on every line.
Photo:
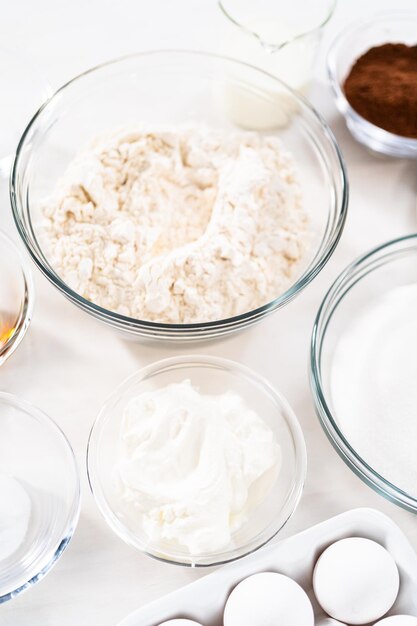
[68,363]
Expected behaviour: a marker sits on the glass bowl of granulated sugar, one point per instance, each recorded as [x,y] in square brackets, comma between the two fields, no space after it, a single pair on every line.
[364,368]
[178,195]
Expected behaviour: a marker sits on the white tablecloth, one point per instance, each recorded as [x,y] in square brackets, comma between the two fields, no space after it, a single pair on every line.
[68,363]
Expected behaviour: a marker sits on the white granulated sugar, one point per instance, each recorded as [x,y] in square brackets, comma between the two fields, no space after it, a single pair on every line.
[373,384]
[178,224]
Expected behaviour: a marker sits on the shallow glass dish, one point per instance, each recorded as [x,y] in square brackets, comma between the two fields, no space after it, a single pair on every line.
[52,488]
[367,279]
[352,43]
[16,297]
[177,87]
[212,376]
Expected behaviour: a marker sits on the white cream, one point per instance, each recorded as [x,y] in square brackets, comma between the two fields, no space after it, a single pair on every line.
[192,466]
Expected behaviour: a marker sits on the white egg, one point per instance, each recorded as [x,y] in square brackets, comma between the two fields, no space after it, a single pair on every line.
[268,599]
[356,580]
[328,621]
[180,622]
[398,620]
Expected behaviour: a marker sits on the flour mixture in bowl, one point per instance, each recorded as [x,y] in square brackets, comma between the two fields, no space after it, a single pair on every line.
[178,224]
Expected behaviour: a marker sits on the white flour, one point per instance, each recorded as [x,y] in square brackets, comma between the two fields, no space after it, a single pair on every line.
[178,224]
[374,388]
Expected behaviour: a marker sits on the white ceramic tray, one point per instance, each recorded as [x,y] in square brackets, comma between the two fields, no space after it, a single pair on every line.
[204,600]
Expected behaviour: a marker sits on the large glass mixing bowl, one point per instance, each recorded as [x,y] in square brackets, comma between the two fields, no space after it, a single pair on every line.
[175,87]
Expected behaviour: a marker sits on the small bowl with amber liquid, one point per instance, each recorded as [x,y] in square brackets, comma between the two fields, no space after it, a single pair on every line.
[372,68]
[16,297]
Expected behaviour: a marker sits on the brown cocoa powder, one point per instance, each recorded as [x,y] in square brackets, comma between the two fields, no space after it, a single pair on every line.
[382,88]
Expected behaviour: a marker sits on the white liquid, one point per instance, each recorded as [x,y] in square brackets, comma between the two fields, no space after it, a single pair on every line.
[293,63]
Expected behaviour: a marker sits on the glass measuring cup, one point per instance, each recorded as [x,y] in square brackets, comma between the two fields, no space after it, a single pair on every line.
[281,37]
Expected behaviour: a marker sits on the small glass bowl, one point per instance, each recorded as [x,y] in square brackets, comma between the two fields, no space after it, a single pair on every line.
[176,87]
[27,436]
[16,297]
[369,277]
[352,43]
[212,376]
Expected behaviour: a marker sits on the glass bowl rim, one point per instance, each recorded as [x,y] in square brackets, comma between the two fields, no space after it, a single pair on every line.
[384,136]
[51,556]
[362,265]
[28,300]
[229,554]
[307,276]
[327,17]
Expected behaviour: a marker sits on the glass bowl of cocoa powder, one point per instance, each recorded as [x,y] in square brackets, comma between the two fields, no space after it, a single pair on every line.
[372,67]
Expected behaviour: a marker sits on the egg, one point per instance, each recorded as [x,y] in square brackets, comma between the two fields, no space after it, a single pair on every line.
[398,620]
[328,621]
[356,581]
[180,622]
[268,599]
